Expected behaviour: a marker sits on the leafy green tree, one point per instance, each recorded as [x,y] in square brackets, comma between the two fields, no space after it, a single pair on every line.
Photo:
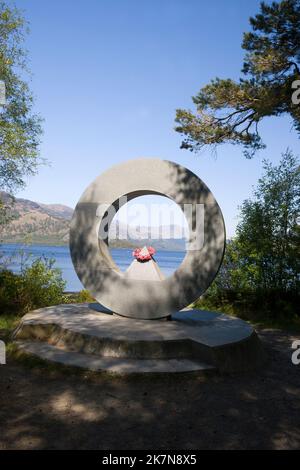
[268,233]
[265,253]
[230,112]
[20,128]
[259,276]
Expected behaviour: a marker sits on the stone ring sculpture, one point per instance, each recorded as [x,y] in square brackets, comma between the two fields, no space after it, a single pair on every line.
[90,253]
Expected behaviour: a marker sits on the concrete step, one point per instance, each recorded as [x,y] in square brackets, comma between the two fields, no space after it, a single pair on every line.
[115,365]
[229,344]
[90,342]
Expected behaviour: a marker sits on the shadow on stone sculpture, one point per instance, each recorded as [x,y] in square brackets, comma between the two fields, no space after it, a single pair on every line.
[89,239]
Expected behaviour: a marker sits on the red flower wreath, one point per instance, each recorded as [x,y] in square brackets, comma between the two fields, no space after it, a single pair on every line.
[140,257]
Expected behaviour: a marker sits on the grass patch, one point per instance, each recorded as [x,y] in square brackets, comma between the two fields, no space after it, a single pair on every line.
[8,322]
[7,325]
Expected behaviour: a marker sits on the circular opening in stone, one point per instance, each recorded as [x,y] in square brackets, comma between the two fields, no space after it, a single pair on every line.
[144,222]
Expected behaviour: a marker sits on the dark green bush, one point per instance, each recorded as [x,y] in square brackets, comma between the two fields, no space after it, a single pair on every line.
[273,305]
[38,285]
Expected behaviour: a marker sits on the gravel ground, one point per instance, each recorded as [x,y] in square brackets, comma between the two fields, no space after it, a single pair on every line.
[40,409]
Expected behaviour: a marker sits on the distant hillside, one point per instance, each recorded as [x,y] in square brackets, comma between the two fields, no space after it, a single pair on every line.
[48,224]
[33,222]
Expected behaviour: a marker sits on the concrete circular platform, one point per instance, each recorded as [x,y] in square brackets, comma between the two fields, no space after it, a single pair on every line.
[86,335]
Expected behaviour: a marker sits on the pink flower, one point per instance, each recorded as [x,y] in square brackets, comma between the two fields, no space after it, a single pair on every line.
[151,250]
[143,257]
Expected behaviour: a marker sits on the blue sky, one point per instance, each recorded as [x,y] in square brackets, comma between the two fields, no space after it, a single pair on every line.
[108,76]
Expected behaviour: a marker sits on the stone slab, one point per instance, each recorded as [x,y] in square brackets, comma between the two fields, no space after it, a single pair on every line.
[224,342]
[209,328]
[110,364]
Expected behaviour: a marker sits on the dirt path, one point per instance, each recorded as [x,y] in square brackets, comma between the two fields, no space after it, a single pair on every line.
[43,410]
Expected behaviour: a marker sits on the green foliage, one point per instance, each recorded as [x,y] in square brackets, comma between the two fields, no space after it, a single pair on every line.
[268,233]
[229,111]
[38,285]
[80,297]
[260,271]
[20,129]
[7,322]
[85,296]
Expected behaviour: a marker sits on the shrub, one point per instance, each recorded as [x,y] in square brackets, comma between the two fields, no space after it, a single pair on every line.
[79,297]
[253,305]
[38,285]
[85,296]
